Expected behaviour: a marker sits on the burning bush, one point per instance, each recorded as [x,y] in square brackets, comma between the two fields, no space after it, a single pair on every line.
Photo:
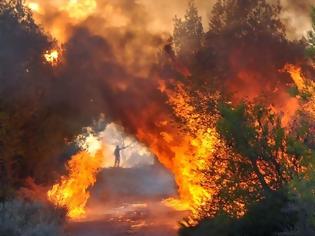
[259,152]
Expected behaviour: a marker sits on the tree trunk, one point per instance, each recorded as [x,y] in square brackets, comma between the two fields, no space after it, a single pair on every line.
[261,178]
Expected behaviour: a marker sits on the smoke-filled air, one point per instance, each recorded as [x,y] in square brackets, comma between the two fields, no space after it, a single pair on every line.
[160,118]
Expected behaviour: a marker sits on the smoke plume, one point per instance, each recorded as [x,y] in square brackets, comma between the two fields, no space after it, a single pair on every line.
[112,62]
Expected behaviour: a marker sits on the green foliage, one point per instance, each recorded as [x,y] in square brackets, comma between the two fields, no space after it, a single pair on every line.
[302,187]
[20,218]
[296,148]
[293,91]
[303,202]
[266,217]
[33,122]
[16,26]
[255,133]
[260,156]
[43,109]
[233,121]
[22,87]
[301,140]
[219,225]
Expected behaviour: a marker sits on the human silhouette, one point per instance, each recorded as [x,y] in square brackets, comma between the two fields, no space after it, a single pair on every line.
[117,154]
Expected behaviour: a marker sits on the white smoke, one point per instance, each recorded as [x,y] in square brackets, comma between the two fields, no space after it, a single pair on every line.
[136,155]
[296,17]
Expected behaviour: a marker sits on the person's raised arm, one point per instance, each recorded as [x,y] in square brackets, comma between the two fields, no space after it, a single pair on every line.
[125,147]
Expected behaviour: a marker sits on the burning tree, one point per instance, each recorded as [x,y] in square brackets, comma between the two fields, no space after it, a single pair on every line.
[229,151]
[188,33]
[21,89]
[256,154]
[261,161]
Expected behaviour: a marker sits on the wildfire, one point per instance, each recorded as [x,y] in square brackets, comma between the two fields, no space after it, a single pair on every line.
[76,9]
[191,156]
[296,75]
[194,152]
[57,16]
[52,57]
[72,190]
[304,85]
[189,152]
[185,153]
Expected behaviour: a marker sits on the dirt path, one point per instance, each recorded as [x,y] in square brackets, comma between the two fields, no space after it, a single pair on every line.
[148,219]
[128,202]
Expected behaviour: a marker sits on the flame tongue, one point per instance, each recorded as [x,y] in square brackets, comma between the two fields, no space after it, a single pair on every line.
[186,154]
[72,190]
[304,85]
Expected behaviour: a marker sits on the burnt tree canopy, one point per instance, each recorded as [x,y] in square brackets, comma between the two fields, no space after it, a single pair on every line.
[246,18]
[188,32]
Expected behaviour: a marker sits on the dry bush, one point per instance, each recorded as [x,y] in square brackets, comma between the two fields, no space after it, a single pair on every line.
[25,218]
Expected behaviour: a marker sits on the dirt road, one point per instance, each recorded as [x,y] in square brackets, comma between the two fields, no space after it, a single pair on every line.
[145,219]
[129,202]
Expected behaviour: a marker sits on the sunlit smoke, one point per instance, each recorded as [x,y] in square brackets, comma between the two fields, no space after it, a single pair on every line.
[79,9]
[136,155]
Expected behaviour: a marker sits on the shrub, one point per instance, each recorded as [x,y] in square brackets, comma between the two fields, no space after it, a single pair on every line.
[25,218]
[270,216]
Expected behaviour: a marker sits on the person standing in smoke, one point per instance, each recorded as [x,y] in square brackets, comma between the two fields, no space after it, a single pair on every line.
[117,155]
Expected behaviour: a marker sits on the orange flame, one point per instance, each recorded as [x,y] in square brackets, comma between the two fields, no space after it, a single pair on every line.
[72,190]
[304,85]
[296,75]
[191,157]
[52,57]
[188,153]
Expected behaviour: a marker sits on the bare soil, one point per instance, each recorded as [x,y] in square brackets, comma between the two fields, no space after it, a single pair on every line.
[129,202]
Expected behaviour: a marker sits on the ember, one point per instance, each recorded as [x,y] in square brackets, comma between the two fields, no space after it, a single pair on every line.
[52,57]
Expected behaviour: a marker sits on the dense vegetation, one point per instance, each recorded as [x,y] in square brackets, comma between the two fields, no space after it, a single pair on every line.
[39,111]
[260,191]
[268,184]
